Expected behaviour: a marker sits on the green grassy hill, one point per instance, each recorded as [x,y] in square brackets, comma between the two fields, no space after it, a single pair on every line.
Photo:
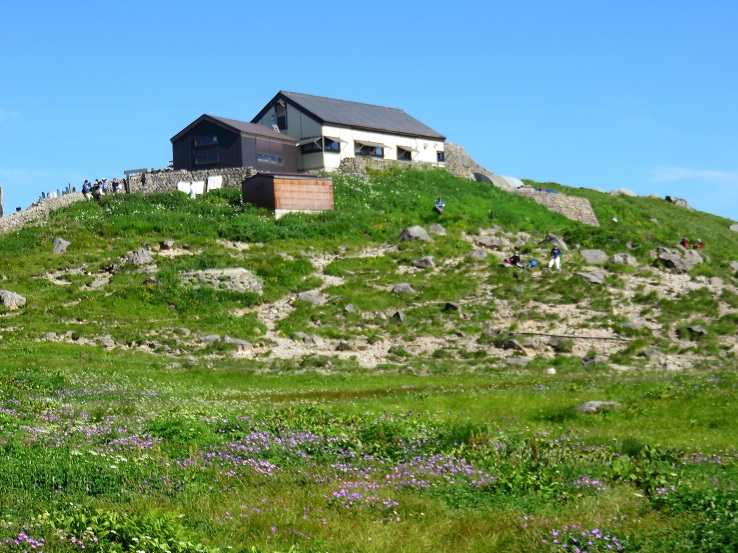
[173,405]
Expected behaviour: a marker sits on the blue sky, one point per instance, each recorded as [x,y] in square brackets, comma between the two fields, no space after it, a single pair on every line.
[633,94]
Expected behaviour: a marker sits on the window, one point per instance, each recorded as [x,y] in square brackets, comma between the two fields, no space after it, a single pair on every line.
[281,111]
[368,149]
[267,158]
[404,155]
[440,156]
[330,145]
[206,140]
[206,159]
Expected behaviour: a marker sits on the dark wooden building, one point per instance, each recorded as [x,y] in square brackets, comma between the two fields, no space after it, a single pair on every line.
[216,143]
[285,193]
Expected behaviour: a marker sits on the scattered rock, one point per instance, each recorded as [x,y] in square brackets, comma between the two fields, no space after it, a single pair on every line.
[437,229]
[594,257]
[453,306]
[140,257]
[594,407]
[692,257]
[312,298]
[60,245]
[623,192]
[550,370]
[519,361]
[210,338]
[631,326]
[698,329]
[350,308]
[345,346]
[166,245]
[403,288]
[675,262]
[237,279]
[415,233]
[106,341]
[514,345]
[242,345]
[481,255]
[398,316]
[11,300]
[593,277]
[624,259]
[678,201]
[424,262]
[50,336]
[492,242]
[555,240]
[734,228]
[734,266]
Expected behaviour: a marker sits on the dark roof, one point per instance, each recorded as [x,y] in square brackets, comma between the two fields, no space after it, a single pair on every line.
[238,126]
[354,114]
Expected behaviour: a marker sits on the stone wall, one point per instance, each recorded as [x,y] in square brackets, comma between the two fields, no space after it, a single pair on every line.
[164,181]
[358,166]
[38,210]
[571,207]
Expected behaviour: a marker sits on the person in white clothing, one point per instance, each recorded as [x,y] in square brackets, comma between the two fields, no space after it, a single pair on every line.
[555,258]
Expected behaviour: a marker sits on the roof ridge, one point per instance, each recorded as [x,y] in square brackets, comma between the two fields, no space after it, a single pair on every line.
[287,92]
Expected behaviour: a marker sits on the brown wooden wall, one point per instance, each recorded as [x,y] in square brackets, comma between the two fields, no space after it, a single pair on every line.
[275,192]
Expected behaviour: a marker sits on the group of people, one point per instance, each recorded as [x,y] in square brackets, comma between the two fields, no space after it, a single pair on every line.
[697,245]
[101,187]
[555,261]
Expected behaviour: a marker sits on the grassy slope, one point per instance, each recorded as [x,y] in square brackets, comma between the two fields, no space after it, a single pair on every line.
[59,402]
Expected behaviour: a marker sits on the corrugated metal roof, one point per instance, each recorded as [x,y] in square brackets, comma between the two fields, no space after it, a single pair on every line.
[358,115]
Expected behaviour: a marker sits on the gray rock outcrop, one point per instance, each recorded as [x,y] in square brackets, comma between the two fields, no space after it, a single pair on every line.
[555,241]
[403,288]
[415,233]
[140,257]
[60,245]
[594,257]
[11,300]
[424,262]
[674,262]
[624,259]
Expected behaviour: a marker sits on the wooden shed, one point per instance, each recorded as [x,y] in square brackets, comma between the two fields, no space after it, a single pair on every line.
[289,192]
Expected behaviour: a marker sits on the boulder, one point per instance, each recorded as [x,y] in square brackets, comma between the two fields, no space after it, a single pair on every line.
[624,259]
[593,277]
[242,345]
[398,316]
[734,266]
[550,371]
[481,255]
[492,242]
[60,245]
[674,262]
[166,245]
[210,338]
[350,308]
[437,229]
[698,329]
[453,306]
[424,262]
[554,240]
[513,345]
[594,257]
[734,228]
[678,201]
[593,407]
[11,300]
[140,257]
[415,233]
[692,257]
[623,192]
[403,288]
[236,279]
[314,299]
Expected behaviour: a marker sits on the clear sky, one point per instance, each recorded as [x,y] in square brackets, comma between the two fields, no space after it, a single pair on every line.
[629,94]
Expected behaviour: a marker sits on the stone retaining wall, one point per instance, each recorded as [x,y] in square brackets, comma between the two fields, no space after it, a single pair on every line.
[164,181]
[571,207]
[38,210]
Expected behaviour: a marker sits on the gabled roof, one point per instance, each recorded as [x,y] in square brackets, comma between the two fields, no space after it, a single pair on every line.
[241,127]
[354,114]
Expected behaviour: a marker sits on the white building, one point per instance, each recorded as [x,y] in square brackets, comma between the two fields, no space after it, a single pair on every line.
[329,130]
